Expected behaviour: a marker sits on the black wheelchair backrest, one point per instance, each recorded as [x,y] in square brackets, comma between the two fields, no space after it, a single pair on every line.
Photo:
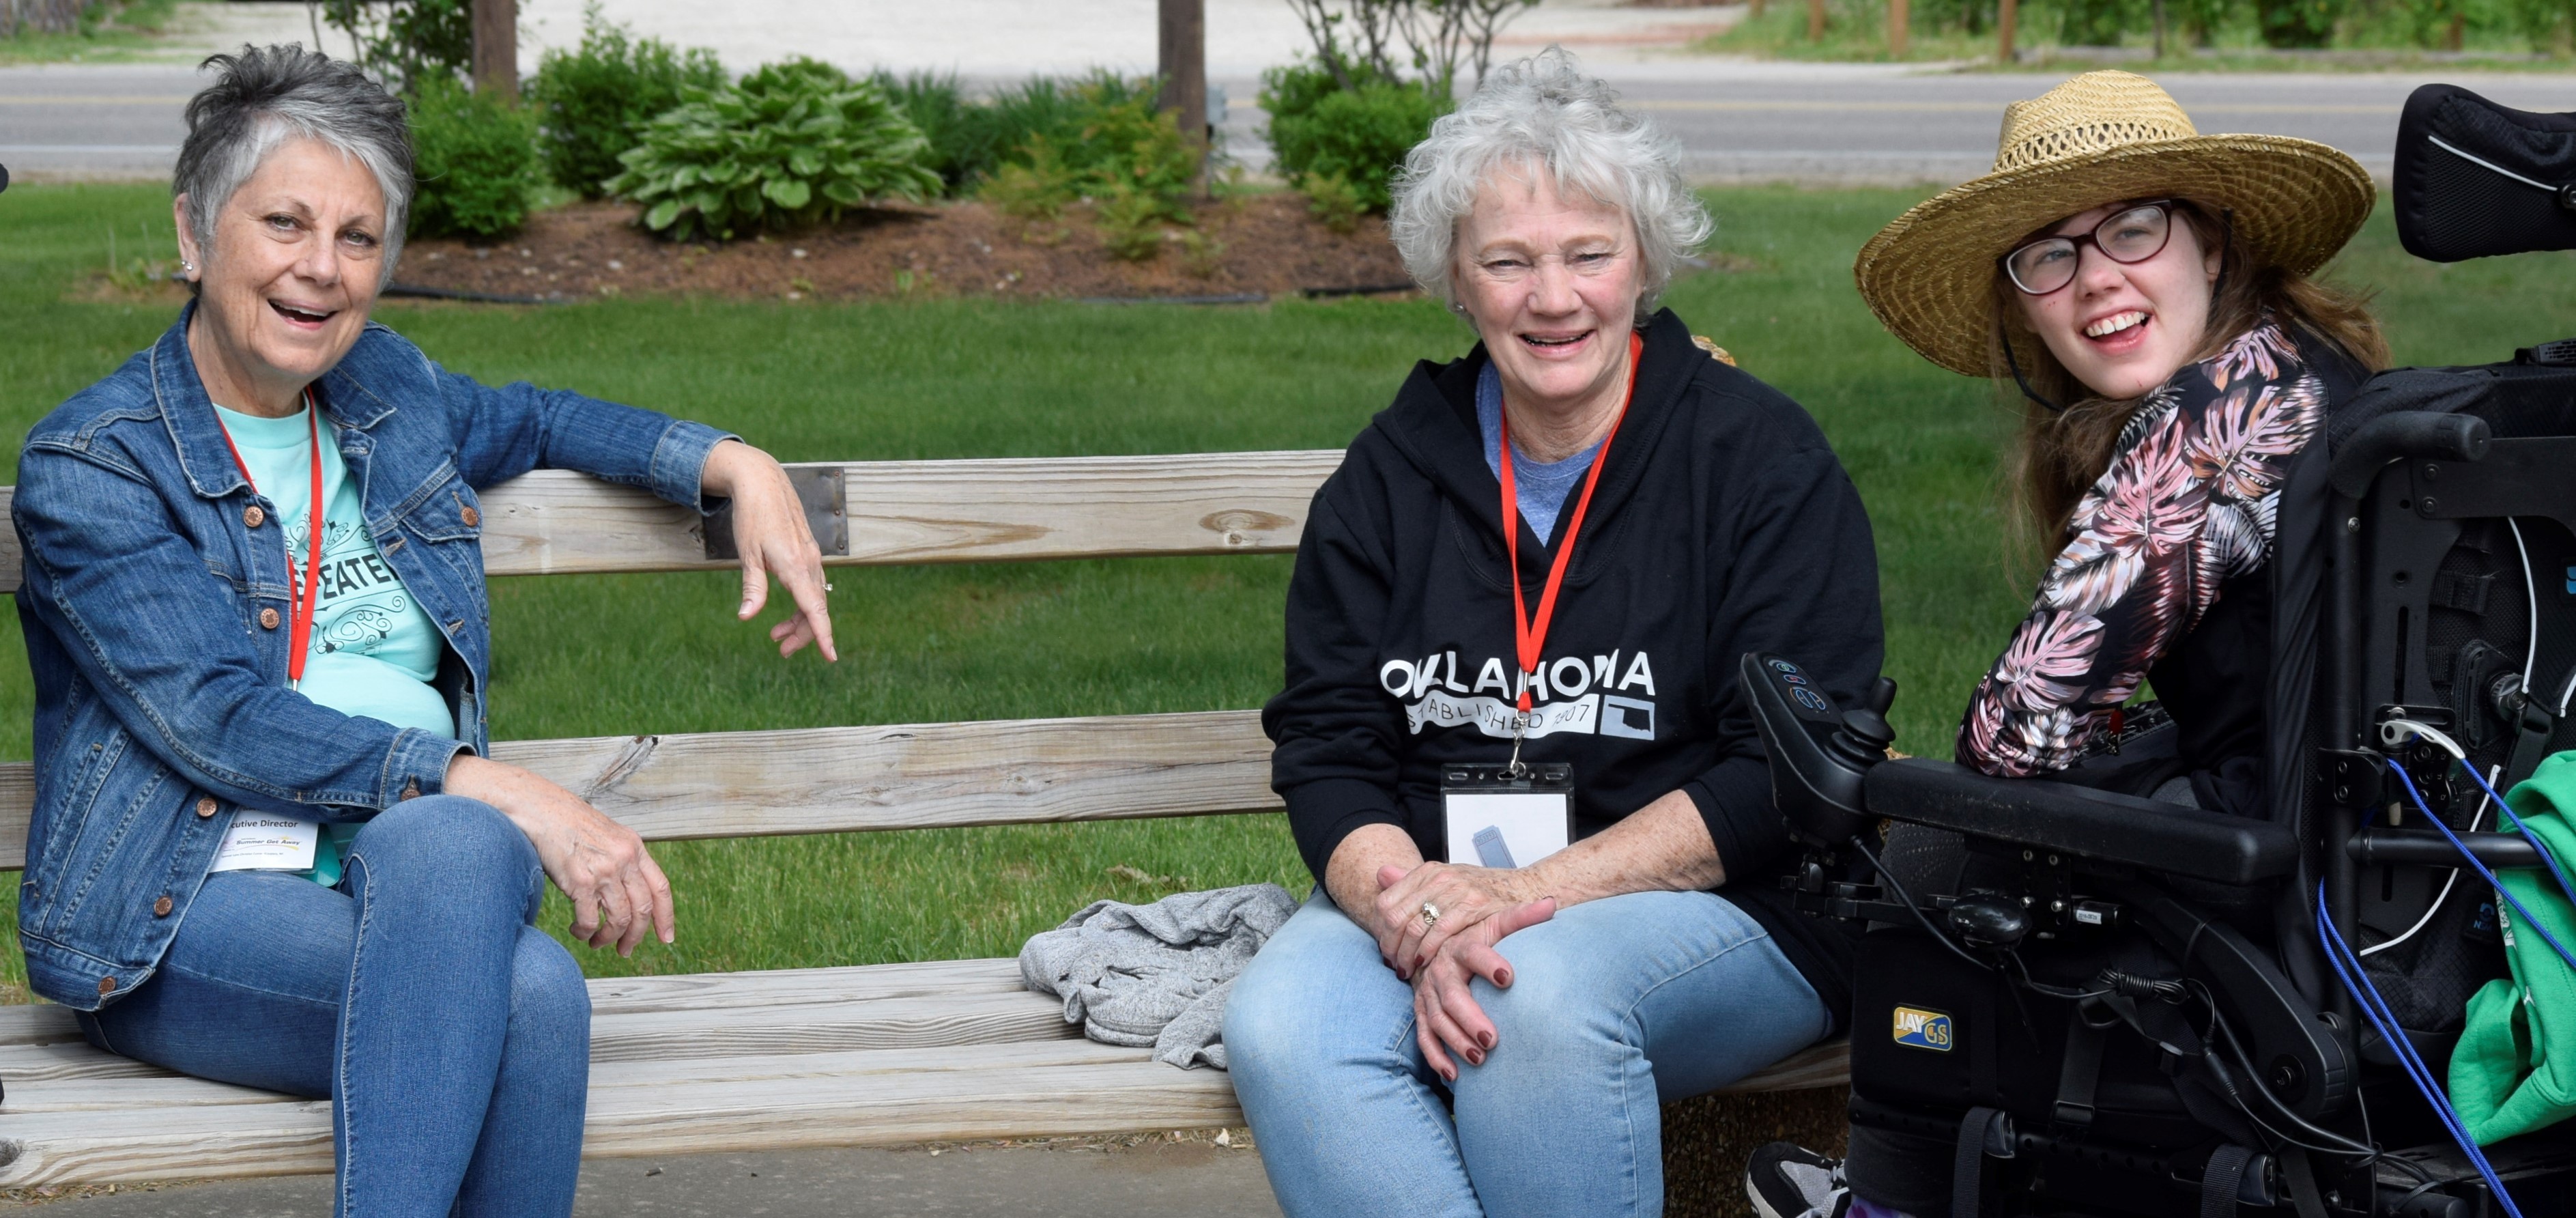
[2473,178]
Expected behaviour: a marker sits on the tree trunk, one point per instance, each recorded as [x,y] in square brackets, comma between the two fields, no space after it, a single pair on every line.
[40,16]
[496,49]
[2160,29]
[1896,23]
[1815,20]
[2004,14]
[1755,14]
[1183,67]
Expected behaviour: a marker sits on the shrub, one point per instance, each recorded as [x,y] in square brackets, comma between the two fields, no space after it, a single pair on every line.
[592,103]
[967,139]
[2298,23]
[2099,23]
[1131,223]
[475,159]
[1333,201]
[1103,140]
[1319,129]
[793,143]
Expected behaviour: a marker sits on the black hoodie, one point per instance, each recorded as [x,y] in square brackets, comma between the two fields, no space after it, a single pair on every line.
[1722,524]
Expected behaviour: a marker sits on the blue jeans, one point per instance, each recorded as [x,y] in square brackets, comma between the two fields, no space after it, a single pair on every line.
[1615,1006]
[452,1037]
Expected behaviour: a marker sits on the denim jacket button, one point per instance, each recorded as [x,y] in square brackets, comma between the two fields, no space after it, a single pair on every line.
[473,519]
[268,619]
[106,986]
[161,908]
[252,517]
[205,806]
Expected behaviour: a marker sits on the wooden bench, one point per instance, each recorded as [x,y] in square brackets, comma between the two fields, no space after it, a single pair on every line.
[882,1054]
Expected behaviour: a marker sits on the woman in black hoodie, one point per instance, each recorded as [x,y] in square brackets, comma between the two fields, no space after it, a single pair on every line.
[1666,515]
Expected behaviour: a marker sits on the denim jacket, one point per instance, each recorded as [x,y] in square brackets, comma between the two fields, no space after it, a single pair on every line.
[160,669]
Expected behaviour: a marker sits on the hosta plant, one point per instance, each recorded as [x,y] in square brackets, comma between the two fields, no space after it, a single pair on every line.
[793,143]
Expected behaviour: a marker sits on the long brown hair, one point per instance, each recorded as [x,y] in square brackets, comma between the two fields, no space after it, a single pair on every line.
[2061,453]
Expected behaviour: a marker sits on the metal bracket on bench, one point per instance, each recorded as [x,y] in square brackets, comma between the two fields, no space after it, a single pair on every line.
[819,488]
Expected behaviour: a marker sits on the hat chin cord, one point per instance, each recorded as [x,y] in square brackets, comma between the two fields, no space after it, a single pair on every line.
[2217,288]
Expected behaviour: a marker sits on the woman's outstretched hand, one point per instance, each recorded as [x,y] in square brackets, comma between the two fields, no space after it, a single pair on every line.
[769,532]
[618,892]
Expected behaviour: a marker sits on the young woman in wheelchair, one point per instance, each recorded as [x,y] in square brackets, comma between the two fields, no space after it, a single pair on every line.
[2145,292]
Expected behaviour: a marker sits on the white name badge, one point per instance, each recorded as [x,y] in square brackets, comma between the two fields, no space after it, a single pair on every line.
[261,841]
[1494,821]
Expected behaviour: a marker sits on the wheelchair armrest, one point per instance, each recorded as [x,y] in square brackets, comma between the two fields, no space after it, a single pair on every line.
[2081,821]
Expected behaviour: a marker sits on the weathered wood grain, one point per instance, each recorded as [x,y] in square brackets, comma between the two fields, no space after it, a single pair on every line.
[906,776]
[908,512]
[797,986]
[887,1023]
[828,780]
[129,1093]
[61,1060]
[41,1024]
[987,1091]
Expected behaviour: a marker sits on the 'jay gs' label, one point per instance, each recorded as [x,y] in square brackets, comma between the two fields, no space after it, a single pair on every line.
[1923,1029]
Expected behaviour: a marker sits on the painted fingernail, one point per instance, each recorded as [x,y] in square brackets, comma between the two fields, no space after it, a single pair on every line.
[1486,1039]
[1503,978]
[1475,1058]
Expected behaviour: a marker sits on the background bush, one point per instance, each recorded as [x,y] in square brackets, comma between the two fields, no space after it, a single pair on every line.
[793,143]
[1319,129]
[592,102]
[475,158]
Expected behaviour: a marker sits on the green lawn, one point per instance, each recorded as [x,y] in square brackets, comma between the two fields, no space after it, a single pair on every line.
[608,655]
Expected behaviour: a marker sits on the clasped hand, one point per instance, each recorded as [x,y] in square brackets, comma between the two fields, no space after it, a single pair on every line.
[1476,907]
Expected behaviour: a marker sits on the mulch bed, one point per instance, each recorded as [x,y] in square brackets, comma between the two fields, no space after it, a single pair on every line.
[1264,245]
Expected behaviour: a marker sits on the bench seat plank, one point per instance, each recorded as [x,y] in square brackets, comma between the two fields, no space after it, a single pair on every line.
[885,1023]
[792,986]
[986,1093]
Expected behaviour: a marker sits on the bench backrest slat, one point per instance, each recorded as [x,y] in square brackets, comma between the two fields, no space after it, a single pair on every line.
[844,779]
[914,512]
[853,779]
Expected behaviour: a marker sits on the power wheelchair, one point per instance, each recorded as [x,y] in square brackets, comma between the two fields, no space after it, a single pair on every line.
[2104,1004]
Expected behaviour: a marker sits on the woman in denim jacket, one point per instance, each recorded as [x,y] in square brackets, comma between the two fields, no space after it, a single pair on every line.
[266,847]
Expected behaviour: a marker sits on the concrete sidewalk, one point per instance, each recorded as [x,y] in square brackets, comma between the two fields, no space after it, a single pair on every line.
[1161,1179]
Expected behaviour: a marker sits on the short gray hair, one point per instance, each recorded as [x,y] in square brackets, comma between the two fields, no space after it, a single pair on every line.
[1545,114]
[263,96]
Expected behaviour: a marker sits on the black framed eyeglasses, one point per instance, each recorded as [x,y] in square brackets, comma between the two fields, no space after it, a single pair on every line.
[2132,234]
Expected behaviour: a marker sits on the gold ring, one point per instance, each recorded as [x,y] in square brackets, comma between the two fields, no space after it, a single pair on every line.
[1430,915]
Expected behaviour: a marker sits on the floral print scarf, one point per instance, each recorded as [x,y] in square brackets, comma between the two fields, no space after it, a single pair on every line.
[2188,503]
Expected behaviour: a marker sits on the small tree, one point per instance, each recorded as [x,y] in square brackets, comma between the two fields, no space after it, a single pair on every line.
[1362,40]
[401,41]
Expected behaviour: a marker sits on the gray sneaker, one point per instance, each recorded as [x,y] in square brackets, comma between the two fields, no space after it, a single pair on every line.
[1786,1180]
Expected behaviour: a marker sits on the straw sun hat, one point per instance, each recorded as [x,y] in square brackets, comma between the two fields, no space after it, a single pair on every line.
[2102,137]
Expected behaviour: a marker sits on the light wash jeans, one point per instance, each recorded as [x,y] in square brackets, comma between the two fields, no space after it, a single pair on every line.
[452,1037]
[1615,1006]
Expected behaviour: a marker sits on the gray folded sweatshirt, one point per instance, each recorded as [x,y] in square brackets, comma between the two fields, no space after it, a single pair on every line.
[1157,974]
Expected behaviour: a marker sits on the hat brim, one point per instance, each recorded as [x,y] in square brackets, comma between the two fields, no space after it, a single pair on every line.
[1929,275]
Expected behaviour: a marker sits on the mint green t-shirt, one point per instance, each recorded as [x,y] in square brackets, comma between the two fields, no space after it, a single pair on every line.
[373,652]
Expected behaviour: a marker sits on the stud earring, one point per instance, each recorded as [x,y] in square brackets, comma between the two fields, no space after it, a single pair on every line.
[187,266]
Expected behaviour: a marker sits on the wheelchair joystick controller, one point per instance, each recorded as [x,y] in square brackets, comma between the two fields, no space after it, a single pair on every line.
[1819,754]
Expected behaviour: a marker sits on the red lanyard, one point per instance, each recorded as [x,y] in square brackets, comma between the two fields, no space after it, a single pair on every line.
[301,637]
[1526,634]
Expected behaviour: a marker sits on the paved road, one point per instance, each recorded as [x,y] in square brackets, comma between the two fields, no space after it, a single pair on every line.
[1190,1180]
[1739,122]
